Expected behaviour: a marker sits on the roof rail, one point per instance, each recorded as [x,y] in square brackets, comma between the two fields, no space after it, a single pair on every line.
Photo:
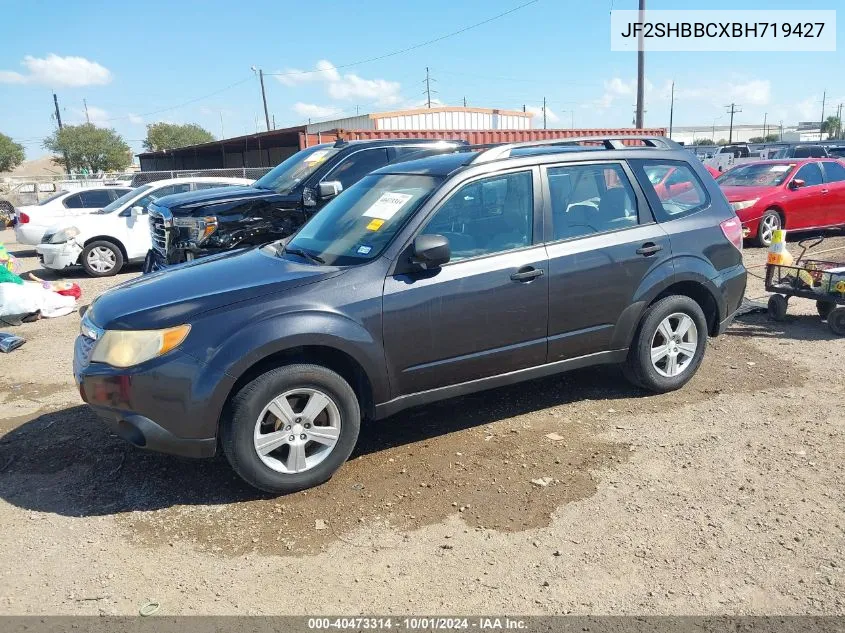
[498,152]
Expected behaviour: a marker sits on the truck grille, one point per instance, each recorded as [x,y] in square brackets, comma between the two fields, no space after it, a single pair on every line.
[161,221]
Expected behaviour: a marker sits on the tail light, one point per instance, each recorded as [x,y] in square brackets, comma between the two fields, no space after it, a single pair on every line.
[732,228]
[23,218]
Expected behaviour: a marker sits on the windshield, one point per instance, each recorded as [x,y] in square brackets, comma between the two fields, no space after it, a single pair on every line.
[761,175]
[53,197]
[126,197]
[287,175]
[358,225]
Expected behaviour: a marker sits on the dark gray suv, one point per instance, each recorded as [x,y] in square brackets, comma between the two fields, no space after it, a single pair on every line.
[425,280]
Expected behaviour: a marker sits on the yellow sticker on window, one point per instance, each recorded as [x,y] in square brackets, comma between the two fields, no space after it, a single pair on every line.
[375,225]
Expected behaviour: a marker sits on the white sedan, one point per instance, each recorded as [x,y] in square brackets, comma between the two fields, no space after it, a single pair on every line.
[31,221]
[103,242]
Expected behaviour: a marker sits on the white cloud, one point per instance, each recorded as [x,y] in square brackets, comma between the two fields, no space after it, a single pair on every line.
[348,87]
[314,111]
[136,119]
[97,116]
[756,92]
[613,90]
[537,113]
[53,70]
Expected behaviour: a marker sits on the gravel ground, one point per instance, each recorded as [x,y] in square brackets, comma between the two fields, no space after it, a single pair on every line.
[724,497]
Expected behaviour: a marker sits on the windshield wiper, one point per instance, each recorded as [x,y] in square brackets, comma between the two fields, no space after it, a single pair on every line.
[314,259]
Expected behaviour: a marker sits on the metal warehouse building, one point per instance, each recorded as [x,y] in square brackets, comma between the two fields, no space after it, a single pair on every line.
[268,149]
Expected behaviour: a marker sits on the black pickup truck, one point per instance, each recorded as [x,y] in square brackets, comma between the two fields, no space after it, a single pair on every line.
[191,225]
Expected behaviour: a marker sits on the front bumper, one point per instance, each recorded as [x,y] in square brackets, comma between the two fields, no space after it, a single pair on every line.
[59,256]
[166,404]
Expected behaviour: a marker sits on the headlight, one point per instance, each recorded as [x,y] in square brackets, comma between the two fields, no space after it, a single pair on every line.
[744,204]
[199,229]
[125,348]
[60,237]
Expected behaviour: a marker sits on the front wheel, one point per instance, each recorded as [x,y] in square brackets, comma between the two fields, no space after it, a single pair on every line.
[824,308]
[836,321]
[769,223]
[101,258]
[669,345]
[291,428]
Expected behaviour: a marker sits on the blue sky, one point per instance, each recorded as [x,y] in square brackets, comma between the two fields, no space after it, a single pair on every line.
[134,62]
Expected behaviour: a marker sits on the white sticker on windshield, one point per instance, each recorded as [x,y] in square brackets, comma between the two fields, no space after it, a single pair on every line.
[316,157]
[386,207]
[364,250]
[780,168]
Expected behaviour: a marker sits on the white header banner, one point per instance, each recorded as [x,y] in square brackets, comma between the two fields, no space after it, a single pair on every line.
[723,30]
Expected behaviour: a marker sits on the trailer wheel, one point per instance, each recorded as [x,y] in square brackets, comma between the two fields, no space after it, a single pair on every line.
[836,321]
[777,307]
[825,308]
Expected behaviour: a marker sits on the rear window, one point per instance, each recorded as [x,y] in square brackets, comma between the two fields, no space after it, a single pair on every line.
[672,187]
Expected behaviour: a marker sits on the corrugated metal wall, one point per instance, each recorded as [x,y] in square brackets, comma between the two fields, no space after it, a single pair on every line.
[363,122]
[474,137]
[453,120]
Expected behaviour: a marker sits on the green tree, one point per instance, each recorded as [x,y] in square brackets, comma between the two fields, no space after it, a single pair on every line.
[703,141]
[170,136]
[771,138]
[831,125]
[11,153]
[722,141]
[90,147]
[757,139]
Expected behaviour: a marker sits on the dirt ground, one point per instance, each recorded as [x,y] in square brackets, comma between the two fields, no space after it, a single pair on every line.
[724,497]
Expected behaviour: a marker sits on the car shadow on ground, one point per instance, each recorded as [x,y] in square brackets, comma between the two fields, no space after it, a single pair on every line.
[67,462]
[798,327]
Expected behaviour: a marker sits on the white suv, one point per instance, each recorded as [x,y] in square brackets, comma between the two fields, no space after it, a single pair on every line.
[104,241]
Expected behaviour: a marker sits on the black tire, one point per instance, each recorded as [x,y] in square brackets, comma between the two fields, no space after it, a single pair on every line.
[116,254]
[767,220]
[836,321]
[777,307]
[242,414]
[824,308]
[639,368]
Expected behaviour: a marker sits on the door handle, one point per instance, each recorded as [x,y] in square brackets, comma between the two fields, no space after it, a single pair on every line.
[527,274]
[825,190]
[649,248]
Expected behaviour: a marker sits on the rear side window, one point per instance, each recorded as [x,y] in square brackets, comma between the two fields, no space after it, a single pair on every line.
[590,199]
[810,174]
[673,186]
[73,202]
[833,172]
[96,198]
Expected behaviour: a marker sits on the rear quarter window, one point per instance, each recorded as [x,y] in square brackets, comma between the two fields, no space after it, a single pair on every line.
[673,188]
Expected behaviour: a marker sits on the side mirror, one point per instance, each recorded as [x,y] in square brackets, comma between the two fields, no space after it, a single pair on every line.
[431,251]
[136,211]
[329,189]
[796,183]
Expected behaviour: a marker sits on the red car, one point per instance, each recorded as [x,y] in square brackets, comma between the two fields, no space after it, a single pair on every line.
[797,194]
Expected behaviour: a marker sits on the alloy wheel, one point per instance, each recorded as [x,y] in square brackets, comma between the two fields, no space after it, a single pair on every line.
[770,224]
[674,344]
[297,430]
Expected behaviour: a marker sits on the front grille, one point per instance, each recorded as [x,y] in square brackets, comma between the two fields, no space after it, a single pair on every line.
[160,222]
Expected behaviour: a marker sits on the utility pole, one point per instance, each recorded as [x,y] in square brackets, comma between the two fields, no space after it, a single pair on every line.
[465,102]
[59,122]
[781,131]
[821,125]
[260,72]
[765,116]
[274,121]
[732,109]
[58,116]
[544,113]
[88,118]
[640,70]
[427,87]
[222,135]
[671,109]
[523,107]
[839,122]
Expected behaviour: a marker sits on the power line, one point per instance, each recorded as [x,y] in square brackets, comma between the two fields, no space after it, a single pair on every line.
[409,48]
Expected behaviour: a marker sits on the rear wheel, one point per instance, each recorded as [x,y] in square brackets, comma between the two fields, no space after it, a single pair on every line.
[101,258]
[669,345]
[836,321]
[769,223]
[824,308]
[291,428]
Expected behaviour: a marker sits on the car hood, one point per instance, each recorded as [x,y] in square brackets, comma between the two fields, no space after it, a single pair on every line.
[737,194]
[192,201]
[178,294]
